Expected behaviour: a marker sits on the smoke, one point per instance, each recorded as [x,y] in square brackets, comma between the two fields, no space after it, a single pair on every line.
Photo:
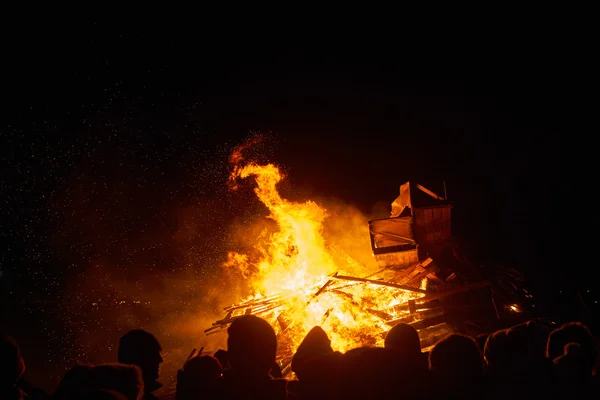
[164,279]
[347,229]
[143,258]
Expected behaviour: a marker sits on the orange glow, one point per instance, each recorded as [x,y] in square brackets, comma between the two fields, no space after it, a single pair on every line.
[514,308]
[294,265]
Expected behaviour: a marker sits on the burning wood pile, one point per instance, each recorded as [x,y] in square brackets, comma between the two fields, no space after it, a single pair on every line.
[300,281]
[418,290]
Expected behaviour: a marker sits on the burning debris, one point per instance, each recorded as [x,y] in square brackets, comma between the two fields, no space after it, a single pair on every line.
[300,282]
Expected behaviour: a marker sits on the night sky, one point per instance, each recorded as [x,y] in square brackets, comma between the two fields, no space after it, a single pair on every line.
[113,152]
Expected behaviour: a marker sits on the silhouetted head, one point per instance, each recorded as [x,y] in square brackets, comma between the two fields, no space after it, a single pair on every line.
[517,352]
[374,373]
[203,368]
[141,348]
[573,332]
[455,358]
[251,346]
[315,344]
[222,356]
[404,339]
[12,365]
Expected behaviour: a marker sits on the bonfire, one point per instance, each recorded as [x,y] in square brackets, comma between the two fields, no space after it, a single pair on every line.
[300,281]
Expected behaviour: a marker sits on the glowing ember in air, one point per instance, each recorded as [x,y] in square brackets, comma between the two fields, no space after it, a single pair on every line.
[514,308]
[294,282]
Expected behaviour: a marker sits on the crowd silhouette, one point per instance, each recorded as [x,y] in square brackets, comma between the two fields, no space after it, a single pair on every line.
[529,360]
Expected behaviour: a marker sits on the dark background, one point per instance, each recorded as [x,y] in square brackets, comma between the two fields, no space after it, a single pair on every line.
[106,137]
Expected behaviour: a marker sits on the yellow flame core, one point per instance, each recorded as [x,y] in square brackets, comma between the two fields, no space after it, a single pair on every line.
[295,263]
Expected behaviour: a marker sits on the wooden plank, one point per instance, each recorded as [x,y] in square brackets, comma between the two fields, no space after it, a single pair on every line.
[383,315]
[398,259]
[419,277]
[380,283]
[433,277]
[457,290]
[419,223]
[412,307]
[395,239]
[446,223]
[410,271]
[405,272]
[329,282]
[425,268]
[429,231]
[429,192]
[410,318]
[437,223]
[414,273]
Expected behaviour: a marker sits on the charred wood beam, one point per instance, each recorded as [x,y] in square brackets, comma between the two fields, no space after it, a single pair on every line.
[254,303]
[422,302]
[266,309]
[329,282]
[457,290]
[433,277]
[226,320]
[419,307]
[426,323]
[429,192]
[337,288]
[341,292]
[381,283]
[378,272]
[411,318]
[383,315]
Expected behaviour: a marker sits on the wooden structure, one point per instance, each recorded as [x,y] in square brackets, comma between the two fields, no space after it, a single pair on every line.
[420,217]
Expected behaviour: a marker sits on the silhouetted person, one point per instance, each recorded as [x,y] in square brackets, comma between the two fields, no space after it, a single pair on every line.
[316,343]
[223,358]
[141,348]
[251,349]
[200,375]
[12,366]
[315,365]
[457,367]
[125,379]
[574,366]
[404,340]
[573,332]
[516,362]
[376,373]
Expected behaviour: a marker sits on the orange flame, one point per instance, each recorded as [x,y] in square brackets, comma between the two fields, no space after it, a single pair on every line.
[295,264]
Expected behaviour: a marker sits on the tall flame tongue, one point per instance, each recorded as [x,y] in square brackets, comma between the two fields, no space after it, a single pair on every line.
[295,265]
[294,259]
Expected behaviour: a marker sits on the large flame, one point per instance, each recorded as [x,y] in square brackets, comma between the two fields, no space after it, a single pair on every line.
[295,264]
